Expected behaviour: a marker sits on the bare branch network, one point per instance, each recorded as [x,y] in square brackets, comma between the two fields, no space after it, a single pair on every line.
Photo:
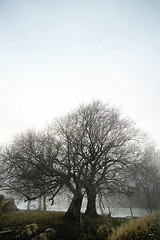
[93,152]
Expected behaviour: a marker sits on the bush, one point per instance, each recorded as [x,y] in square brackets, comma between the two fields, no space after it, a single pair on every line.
[30,229]
[8,206]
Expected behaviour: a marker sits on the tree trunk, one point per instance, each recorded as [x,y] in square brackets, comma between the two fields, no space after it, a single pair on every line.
[28,204]
[44,202]
[40,203]
[91,202]
[74,209]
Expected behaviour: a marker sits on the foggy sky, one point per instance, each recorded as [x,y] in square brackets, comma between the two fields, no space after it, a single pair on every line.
[57,54]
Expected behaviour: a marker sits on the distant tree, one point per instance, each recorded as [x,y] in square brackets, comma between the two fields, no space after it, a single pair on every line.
[3,173]
[26,162]
[146,178]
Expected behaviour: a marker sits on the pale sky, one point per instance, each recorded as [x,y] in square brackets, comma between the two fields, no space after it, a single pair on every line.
[57,54]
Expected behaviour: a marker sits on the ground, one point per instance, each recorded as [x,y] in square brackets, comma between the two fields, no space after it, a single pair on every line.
[40,225]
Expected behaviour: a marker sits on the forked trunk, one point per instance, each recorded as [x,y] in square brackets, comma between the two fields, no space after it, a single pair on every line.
[91,202]
[74,209]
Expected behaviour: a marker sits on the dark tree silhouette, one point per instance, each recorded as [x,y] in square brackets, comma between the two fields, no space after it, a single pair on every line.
[98,146]
[28,168]
[87,152]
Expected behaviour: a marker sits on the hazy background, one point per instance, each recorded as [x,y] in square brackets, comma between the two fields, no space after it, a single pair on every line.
[57,54]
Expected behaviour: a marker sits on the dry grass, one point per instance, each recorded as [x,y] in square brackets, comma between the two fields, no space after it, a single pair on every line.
[101,228]
[22,218]
[64,228]
[139,229]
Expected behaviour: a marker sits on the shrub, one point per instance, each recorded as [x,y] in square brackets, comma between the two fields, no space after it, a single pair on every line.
[8,206]
[29,232]
[30,229]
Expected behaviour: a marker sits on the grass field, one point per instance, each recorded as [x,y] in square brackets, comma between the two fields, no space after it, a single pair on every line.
[47,225]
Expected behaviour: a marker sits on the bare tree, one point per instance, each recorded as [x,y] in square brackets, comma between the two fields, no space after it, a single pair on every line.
[147,179]
[26,163]
[35,166]
[98,146]
[88,152]
[3,174]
